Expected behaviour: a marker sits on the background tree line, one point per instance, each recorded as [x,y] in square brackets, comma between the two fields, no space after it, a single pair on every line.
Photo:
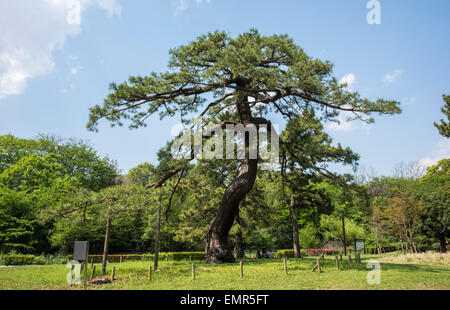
[54,191]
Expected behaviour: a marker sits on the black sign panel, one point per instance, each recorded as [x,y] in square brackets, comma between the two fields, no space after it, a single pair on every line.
[80,250]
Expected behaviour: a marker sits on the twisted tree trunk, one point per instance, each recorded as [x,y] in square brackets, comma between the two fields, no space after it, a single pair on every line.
[217,248]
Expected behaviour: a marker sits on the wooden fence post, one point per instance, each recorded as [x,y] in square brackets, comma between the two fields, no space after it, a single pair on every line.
[193,271]
[317,266]
[337,263]
[92,262]
[121,258]
[242,270]
[113,273]
[150,273]
[92,273]
[285,266]
[350,261]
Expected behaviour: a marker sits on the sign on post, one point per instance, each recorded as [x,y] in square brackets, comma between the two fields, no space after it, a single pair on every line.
[360,246]
[81,253]
[81,250]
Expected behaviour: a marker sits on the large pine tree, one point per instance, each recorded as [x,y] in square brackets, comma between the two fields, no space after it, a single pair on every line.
[272,70]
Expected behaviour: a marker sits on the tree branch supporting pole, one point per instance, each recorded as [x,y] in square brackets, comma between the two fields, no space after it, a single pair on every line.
[317,266]
[343,234]
[92,273]
[158,228]
[106,245]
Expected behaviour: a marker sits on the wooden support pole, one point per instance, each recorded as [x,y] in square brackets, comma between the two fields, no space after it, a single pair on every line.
[85,272]
[337,263]
[92,273]
[193,271]
[242,269]
[285,266]
[150,273]
[317,266]
[113,273]
[71,274]
[121,258]
[350,261]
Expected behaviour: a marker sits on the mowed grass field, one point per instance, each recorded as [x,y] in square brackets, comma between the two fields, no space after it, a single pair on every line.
[405,272]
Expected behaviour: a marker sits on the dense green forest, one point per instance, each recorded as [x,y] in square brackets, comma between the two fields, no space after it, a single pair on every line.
[55,191]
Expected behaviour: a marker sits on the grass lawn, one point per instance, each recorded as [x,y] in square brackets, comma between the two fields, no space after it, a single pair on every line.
[421,271]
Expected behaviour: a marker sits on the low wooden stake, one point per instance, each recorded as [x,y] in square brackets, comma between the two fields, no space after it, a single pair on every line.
[150,273]
[121,258]
[92,273]
[193,271]
[113,273]
[92,263]
[285,266]
[337,263]
[242,269]
[317,266]
[350,261]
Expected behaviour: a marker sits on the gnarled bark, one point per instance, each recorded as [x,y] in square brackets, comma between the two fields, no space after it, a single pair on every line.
[217,248]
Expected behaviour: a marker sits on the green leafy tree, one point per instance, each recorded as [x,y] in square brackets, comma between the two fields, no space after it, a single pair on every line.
[434,193]
[38,175]
[306,150]
[332,229]
[272,70]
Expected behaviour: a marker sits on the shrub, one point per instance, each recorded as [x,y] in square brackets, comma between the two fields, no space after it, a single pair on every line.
[283,253]
[17,259]
[312,252]
[287,253]
[134,257]
[186,255]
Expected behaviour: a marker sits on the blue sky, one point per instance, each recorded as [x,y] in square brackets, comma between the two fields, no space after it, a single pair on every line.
[52,71]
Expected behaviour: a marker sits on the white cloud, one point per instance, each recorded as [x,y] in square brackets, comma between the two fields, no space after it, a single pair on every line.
[441,151]
[392,77]
[183,5]
[31,31]
[349,79]
[408,100]
[75,70]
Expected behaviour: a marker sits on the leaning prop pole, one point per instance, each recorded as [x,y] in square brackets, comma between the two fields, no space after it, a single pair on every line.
[106,244]
[158,228]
